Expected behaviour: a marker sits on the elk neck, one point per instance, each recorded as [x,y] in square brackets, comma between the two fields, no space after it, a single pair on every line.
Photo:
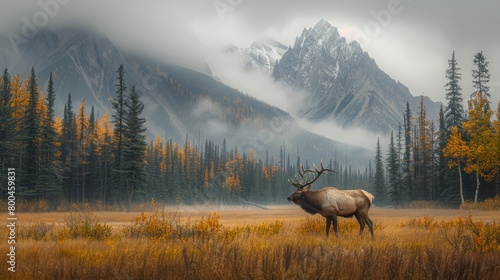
[309,202]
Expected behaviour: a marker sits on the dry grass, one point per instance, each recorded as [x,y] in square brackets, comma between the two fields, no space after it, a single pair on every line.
[280,243]
[487,204]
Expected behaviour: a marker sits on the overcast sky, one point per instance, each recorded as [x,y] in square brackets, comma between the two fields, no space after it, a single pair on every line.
[409,40]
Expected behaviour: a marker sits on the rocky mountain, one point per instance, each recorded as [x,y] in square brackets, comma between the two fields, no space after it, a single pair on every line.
[344,83]
[178,101]
[260,56]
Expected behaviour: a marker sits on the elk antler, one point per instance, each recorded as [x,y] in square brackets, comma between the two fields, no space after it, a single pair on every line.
[302,172]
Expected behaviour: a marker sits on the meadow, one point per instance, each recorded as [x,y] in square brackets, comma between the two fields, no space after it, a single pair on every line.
[282,242]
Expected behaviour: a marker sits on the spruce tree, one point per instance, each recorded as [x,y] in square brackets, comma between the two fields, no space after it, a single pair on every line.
[82,152]
[93,175]
[7,122]
[118,106]
[481,76]
[69,152]
[7,127]
[105,157]
[442,167]
[32,139]
[50,177]
[407,158]
[134,147]
[379,187]
[394,178]
[454,112]
[422,155]
[400,158]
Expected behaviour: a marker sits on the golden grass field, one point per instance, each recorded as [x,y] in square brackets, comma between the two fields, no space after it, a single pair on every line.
[282,242]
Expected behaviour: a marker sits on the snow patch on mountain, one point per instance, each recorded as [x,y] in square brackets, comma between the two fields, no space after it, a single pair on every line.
[344,85]
[261,56]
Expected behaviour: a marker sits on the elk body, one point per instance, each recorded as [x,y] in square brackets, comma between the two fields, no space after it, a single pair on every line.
[331,203]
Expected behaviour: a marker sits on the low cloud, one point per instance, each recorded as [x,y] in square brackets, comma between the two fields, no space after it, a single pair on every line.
[230,69]
[352,136]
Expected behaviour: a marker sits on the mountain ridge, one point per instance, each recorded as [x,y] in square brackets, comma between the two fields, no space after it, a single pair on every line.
[179,101]
[344,83]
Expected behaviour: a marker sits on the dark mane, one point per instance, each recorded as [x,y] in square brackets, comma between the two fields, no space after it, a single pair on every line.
[307,207]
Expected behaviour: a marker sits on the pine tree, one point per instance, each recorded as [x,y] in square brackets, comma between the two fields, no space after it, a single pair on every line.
[68,141]
[454,112]
[441,165]
[82,151]
[105,136]
[20,103]
[481,76]
[134,147]
[93,175]
[407,158]
[394,177]
[50,177]
[8,134]
[401,166]
[118,105]
[433,161]
[7,122]
[379,187]
[422,156]
[32,140]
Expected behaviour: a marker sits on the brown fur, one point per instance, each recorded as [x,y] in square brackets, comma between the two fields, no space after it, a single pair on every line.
[331,203]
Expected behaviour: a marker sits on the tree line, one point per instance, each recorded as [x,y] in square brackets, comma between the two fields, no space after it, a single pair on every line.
[77,157]
[450,160]
[82,157]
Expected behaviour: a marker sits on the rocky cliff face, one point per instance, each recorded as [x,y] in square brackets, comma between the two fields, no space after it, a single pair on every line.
[344,83]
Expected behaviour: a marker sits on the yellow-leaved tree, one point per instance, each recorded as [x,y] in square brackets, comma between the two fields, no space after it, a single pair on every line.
[493,161]
[456,151]
[20,100]
[478,129]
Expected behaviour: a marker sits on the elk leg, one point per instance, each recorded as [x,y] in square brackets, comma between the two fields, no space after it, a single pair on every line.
[328,222]
[335,225]
[361,223]
[368,222]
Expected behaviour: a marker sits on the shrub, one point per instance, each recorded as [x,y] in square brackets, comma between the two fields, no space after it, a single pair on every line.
[208,229]
[311,225]
[487,204]
[37,231]
[467,235]
[423,222]
[82,222]
[158,225]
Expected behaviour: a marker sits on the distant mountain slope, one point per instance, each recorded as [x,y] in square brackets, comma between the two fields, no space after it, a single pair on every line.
[260,56]
[178,101]
[345,84]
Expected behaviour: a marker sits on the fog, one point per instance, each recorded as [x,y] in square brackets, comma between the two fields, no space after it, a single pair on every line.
[410,40]
[230,69]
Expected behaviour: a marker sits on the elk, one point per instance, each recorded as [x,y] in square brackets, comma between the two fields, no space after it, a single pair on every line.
[331,202]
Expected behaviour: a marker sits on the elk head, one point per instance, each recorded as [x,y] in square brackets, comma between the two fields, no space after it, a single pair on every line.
[304,186]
